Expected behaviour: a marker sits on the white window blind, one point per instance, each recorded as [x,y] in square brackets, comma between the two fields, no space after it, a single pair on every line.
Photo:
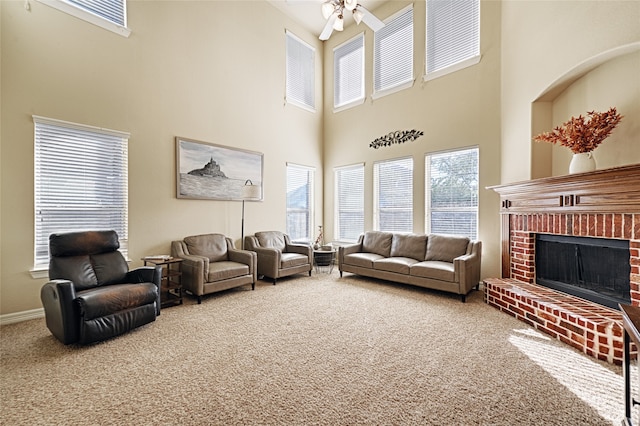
[349,202]
[393,52]
[453,35]
[300,73]
[300,202]
[80,182]
[451,192]
[348,72]
[393,195]
[111,10]
[108,14]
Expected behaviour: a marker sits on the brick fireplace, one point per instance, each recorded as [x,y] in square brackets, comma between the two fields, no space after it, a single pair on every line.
[602,204]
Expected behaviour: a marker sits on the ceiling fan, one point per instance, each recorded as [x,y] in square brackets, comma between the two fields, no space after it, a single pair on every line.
[333,12]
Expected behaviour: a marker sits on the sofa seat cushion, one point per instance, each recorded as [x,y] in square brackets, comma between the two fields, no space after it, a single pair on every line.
[434,269]
[289,260]
[224,270]
[106,300]
[399,265]
[364,260]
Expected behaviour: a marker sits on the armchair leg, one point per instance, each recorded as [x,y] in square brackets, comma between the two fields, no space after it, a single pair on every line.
[199,299]
[309,272]
[253,286]
[340,274]
[274,281]
[463,297]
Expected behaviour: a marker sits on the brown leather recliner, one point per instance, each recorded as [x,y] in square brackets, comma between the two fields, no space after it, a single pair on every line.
[92,295]
[277,256]
[212,263]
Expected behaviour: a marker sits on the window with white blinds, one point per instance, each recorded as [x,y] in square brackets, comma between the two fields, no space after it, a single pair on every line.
[393,195]
[80,182]
[393,54]
[300,73]
[453,36]
[300,202]
[348,73]
[451,192]
[349,202]
[108,14]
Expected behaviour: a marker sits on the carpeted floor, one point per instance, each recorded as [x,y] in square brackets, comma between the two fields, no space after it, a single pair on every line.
[318,350]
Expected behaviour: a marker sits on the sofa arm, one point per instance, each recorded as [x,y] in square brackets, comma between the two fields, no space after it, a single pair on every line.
[57,298]
[349,249]
[467,268]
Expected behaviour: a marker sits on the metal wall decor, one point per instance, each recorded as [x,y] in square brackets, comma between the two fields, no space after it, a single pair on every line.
[399,136]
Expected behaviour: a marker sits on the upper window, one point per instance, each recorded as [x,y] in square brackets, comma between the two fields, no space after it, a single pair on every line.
[300,73]
[300,202]
[451,192]
[349,202]
[393,54]
[348,73]
[108,14]
[453,36]
[393,195]
[80,182]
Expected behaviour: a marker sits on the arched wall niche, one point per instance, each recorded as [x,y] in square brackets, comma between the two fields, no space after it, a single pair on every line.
[609,79]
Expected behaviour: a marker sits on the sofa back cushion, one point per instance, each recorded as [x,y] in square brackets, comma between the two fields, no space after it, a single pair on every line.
[271,239]
[377,242]
[409,245]
[446,247]
[213,246]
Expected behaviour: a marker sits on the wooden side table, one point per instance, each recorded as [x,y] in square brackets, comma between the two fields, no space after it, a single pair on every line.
[171,281]
[631,324]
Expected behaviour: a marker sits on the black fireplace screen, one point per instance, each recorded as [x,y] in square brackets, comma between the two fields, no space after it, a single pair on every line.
[595,269]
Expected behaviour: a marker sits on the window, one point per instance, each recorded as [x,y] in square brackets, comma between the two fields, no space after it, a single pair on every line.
[348,73]
[108,14]
[300,73]
[80,182]
[453,36]
[300,202]
[393,195]
[349,203]
[451,192]
[393,53]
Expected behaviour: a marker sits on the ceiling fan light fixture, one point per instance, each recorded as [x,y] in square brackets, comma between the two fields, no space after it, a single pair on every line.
[338,25]
[350,4]
[327,9]
[357,16]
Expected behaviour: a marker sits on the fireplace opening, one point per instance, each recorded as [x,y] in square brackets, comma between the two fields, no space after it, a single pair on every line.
[595,269]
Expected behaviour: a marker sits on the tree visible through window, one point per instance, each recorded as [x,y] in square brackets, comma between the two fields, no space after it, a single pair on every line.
[451,183]
[299,202]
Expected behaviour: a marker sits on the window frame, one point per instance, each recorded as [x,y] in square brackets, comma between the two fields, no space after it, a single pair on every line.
[291,97]
[43,130]
[376,193]
[359,167]
[355,101]
[86,15]
[401,85]
[311,208]
[428,196]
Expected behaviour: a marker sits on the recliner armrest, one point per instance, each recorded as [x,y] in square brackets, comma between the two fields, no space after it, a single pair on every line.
[147,274]
[57,298]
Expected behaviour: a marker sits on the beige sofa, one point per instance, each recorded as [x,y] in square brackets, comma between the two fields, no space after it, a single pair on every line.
[441,262]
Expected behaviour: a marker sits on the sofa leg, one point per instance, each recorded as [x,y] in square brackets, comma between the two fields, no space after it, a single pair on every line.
[340,274]
[309,272]
[253,285]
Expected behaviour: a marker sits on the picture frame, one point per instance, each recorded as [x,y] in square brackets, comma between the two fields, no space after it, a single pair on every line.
[208,171]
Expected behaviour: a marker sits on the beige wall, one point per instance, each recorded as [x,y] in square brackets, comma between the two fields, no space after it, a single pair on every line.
[211,71]
[546,42]
[454,111]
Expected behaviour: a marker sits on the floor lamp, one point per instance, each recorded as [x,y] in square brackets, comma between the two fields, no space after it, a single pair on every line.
[249,192]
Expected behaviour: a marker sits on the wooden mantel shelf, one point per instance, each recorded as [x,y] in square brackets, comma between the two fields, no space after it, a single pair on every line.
[615,190]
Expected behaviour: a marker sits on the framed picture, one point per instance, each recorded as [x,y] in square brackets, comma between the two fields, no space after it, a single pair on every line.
[208,171]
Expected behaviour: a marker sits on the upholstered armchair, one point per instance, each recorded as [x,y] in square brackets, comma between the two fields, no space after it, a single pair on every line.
[212,263]
[92,295]
[277,256]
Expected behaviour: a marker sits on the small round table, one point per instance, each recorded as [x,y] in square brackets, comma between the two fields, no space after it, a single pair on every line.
[323,260]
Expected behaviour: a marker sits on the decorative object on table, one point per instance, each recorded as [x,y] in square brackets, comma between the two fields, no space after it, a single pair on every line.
[582,135]
[333,12]
[208,171]
[318,242]
[249,192]
[399,136]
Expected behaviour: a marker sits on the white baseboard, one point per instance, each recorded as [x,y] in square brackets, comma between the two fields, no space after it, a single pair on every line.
[21,316]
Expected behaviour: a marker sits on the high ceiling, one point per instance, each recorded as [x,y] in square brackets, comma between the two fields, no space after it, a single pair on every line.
[309,15]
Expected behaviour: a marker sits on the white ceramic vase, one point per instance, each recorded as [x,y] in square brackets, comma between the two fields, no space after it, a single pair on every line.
[582,163]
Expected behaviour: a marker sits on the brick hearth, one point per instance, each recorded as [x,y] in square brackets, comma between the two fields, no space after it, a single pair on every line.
[602,204]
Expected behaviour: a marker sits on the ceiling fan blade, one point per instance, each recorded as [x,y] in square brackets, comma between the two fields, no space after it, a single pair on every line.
[370,19]
[328,28]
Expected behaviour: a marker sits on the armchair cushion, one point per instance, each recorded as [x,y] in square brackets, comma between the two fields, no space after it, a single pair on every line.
[211,246]
[224,270]
[110,268]
[289,260]
[271,239]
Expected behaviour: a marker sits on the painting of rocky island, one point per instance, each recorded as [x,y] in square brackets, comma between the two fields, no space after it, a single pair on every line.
[215,172]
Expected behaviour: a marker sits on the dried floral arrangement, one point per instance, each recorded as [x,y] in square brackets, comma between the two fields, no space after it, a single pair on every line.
[583,134]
